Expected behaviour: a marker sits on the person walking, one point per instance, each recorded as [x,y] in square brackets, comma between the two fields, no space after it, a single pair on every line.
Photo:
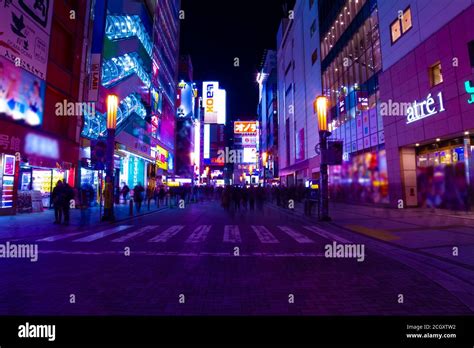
[57,204]
[125,191]
[68,196]
[138,192]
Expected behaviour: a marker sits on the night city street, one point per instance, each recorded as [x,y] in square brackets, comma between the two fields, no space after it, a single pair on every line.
[192,252]
[304,161]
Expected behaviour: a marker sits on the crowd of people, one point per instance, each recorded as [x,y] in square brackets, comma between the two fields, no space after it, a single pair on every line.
[231,198]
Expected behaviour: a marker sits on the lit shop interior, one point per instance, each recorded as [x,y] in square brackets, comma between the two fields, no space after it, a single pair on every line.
[36,185]
[444,173]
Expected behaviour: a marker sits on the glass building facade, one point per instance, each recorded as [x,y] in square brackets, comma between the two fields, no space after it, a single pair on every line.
[351,62]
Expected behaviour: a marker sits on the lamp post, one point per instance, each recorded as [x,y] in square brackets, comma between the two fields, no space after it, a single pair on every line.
[264,162]
[112,105]
[322,109]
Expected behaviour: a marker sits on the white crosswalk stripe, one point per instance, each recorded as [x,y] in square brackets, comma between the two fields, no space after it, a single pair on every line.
[167,234]
[300,238]
[327,234]
[199,235]
[264,234]
[59,237]
[138,232]
[232,234]
[103,234]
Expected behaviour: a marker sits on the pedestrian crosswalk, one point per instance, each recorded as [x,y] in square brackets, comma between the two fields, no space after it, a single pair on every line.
[229,234]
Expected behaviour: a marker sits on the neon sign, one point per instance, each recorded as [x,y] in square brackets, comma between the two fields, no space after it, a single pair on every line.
[470,90]
[416,111]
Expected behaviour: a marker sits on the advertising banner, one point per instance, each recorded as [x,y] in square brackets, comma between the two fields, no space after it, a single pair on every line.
[161,157]
[24,33]
[249,141]
[209,101]
[245,127]
[21,94]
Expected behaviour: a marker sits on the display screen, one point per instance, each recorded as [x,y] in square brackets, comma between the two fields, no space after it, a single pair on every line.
[21,94]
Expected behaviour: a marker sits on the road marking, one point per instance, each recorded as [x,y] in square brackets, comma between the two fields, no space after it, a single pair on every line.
[103,234]
[199,235]
[59,237]
[167,234]
[183,254]
[136,233]
[232,234]
[327,235]
[375,233]
[264,234]
[300,238]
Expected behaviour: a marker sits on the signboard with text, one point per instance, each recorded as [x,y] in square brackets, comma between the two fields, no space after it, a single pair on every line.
[24,33]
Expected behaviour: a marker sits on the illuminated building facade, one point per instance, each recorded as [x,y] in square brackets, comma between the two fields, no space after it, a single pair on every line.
[39,139]
[427,102]
[136,59]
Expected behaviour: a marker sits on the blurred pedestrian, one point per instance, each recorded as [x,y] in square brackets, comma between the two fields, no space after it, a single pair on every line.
[138,193]
[68,196]
[57,196]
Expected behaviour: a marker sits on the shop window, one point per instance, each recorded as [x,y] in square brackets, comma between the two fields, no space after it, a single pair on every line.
[314,56]
[436,76]
[401,25]
[313,28]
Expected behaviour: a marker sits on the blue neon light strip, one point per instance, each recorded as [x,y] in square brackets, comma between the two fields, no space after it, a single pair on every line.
[118,68]
[95,127]
[124,27]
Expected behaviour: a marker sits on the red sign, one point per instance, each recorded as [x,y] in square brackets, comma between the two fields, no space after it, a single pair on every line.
[243,127]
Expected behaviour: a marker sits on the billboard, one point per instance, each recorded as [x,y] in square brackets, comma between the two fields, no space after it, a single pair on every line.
[185,103]
[214,103]
[249,141]
[245,127]
[21,94]
[24,33]
[249,155]
[207,141]
[161,157]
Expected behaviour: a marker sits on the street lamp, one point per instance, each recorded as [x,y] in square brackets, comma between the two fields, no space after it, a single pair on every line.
[322,110]
[112,105]
[264,162]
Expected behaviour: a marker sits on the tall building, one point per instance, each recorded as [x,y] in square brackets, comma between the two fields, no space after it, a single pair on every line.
[268,117]
[350,66]
[299,83]
[214,119]
[427,101]
[187,122]
[41,67]
[134,55]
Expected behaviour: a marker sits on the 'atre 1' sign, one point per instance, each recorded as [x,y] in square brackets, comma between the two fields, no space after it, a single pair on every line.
[428,107]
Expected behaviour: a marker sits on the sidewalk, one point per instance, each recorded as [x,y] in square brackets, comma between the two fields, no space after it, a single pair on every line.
[36,224]
[431,232]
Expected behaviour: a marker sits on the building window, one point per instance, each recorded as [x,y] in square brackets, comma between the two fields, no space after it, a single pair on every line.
[311,3]
[470,48]
[314,56]
[313,28]
[401,25]
[436,76]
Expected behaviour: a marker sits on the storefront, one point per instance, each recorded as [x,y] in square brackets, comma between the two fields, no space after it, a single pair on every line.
[443,176]
[428,120]
[31,164]
[362,178]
